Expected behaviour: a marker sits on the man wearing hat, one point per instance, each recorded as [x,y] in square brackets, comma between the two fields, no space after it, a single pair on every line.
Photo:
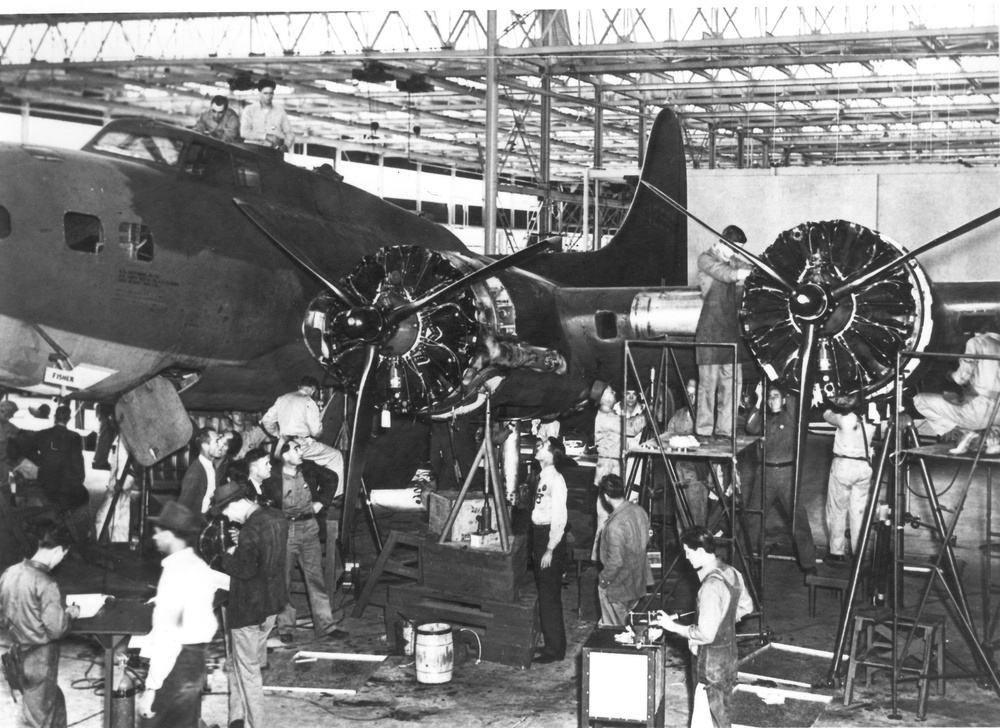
[61,471]
[183,623]
[258,590]
[34,620]
[8,431]
[265,124]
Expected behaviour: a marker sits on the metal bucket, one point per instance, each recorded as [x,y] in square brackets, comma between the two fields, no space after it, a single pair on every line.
[434,653]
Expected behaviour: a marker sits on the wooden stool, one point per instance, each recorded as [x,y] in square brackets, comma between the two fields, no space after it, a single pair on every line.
[814,582]
[873,645]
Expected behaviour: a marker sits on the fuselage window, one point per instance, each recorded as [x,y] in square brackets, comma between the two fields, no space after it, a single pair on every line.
[136,240]
[84,233]
[4,222]
[148,147]
[208,163]
[247,173]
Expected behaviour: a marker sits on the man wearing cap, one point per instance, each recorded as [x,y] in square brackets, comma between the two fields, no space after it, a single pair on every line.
[61,471]
[295,416]
[265,124]
[219,121]
[303,491]
[720,277]
[183,623]
[8,431]
[258,590]
[200,479]
[34,619]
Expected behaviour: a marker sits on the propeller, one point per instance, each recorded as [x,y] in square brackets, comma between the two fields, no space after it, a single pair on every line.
[271,231]
[747,255]
[371,318]
[851,285]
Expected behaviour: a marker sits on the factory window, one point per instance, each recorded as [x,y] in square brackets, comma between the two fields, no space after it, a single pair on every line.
[4,222]
[459,214]
[84,233]
[520,219]
[247,173]
[436,211]
[475,216]
[136,240]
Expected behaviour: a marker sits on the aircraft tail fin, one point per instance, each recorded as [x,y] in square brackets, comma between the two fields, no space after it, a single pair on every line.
[650,248]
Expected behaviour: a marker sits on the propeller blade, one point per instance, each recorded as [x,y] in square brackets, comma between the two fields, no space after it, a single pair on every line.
[737,249]
[361,435]
[853,284]
[298,256]
[805,365]
[403,312]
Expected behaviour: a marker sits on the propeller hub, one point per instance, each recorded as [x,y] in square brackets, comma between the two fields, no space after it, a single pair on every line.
[809,302]
[361,322]
[404,338]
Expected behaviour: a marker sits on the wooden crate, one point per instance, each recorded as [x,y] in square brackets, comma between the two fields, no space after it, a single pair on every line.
[508,630]
[483,573]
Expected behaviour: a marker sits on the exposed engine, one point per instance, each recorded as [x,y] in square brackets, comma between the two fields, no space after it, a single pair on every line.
[859,332]
[434,359]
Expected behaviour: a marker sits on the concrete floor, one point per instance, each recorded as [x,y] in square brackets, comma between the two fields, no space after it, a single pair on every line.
[494,695]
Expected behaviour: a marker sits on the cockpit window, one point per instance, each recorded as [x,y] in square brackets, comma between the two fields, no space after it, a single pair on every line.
[136,240]
[147,147]
[4,222]
[84,233]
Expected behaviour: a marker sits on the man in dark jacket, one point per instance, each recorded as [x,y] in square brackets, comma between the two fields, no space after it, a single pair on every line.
[625,571]
[61,472]
[258,590]
[34,621]
[200,478]
[303,491]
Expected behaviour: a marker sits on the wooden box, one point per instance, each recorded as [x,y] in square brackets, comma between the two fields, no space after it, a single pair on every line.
[441,503]
[477,573]
[507,631]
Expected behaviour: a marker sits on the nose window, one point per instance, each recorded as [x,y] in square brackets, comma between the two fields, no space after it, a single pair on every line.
[4,222]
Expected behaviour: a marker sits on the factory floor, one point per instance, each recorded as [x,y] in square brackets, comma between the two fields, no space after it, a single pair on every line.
[488,694]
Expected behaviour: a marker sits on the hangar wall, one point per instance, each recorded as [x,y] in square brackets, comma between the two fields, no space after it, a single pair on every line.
[912,204]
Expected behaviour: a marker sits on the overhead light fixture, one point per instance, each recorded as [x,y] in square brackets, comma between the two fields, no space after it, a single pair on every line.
[416,84]
[416,130]
[372,72]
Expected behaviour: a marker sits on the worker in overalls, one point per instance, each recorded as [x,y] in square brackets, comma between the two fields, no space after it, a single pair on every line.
[723,600]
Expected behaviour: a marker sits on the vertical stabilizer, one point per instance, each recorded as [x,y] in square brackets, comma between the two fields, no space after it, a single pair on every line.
[650,249]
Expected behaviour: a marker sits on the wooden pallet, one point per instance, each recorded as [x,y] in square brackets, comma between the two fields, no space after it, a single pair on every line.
[508,630]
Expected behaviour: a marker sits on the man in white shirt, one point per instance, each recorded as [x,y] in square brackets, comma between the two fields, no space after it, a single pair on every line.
[265,124]
[183,623]
[295,416]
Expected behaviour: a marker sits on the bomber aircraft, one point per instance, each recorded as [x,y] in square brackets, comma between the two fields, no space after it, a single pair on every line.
[155,252]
